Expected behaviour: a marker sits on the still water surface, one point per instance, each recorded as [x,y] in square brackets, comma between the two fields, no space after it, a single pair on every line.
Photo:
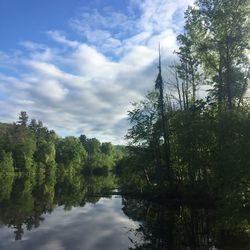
[93,227]
[71,213]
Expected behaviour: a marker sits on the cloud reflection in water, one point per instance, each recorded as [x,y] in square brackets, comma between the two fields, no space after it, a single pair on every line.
[92,227]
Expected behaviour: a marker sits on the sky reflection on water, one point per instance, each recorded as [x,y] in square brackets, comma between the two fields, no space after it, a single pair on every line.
[93,227]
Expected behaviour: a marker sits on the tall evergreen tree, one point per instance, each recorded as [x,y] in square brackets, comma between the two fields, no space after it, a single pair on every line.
[23,118]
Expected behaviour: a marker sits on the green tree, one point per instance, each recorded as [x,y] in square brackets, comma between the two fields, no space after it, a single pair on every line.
[70,152]
[83,140]
[145,137]
[23,146]
[107,148]
[45,152]
[187,70]
[45,155]
[93,146]
[23,118]
[144,118]
[33,125]
[220,32]
[6,162]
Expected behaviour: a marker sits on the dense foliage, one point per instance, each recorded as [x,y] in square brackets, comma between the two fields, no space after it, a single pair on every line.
[189,143]
[32,147]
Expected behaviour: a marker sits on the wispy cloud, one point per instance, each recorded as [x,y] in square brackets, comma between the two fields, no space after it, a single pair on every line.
[86,85]
[61,38]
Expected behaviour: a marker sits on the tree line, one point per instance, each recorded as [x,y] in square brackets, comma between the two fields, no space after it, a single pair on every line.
[30,146]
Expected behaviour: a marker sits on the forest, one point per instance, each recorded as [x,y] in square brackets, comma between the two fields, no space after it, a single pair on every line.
[189,138]
[31,147]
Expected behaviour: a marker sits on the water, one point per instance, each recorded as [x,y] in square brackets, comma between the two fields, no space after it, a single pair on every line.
[71,212]
[95,226]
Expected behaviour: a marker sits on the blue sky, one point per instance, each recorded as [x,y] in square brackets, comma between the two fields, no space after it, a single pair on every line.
[78,65]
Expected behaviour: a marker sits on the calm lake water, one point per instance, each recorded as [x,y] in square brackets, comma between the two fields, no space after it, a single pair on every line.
[95,226]
[70,212]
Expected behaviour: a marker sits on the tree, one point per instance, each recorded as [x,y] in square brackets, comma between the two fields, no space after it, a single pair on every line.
[70,152]
[23,118]
[159,86]
[33,125]
[107,148]
[6,162]
[83,140]
[145,136]
[187,70]
[144,118]
[220,32]
[93,146]
[23,147]
[45,155]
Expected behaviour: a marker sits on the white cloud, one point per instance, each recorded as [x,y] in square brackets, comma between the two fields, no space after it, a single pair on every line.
[61,38]
[44,68]
[39,52]
[156,16]
[139,57]
[88,86]
[32,46]
[52,89]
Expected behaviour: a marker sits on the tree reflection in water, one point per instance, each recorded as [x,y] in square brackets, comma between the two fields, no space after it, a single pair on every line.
[25,200]
[165,227]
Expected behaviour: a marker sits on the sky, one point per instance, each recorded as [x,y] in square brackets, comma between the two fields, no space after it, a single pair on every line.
[79,65]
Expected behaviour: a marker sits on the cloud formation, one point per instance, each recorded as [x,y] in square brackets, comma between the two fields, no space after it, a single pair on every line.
[86,85]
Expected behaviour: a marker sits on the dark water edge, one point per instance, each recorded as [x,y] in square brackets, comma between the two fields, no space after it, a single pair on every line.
[87,212]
